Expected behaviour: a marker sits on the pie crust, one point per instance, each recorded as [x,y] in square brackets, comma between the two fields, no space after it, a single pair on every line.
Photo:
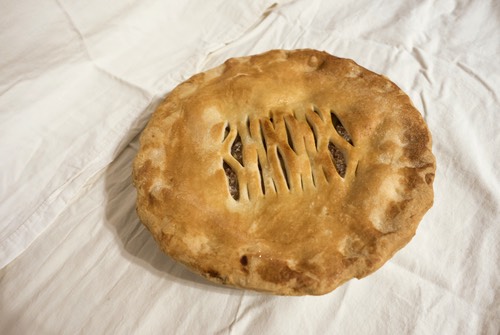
[288,172]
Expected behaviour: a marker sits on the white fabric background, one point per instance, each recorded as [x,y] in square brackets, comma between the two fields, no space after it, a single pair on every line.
[78,81]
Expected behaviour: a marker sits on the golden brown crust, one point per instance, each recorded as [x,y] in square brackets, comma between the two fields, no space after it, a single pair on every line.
[333,166]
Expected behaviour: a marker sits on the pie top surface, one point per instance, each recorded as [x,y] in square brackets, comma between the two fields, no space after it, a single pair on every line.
[288,172]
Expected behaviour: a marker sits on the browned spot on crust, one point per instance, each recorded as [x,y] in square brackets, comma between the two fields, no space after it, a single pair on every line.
[349,261]
[151,199]
[429,178]
[412,177]
[395,208]
[165,238]
[244,260]
[278,272]
[145,171]
[417,139]
[214,274]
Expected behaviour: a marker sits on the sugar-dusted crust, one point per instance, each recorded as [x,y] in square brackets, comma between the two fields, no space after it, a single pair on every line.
[300,223]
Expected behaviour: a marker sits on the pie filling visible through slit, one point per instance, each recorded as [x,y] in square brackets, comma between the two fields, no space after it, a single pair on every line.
[288,172]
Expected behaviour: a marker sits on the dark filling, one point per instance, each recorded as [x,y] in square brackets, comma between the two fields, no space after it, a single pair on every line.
[342,132]
[339,127]
[237,149]
[338,159]
[232,179]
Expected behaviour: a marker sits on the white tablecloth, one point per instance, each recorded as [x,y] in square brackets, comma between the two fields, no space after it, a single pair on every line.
[78,82]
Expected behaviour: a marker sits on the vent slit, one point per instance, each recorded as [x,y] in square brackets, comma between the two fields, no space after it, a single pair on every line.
[232,180]
[316,110]
[283,168]
[296,165]
[289,136]
[248,125]
[237,149]
[325,173]
[338,159]
[340,129]
[226,132]
[313,132]
[263,137]
[262,187]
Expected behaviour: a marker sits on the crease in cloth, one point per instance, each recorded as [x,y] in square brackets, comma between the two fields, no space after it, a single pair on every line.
[338,313]
[57,189]
[72,23]
[478,79]
[235,319]
[202,64]
[440,287]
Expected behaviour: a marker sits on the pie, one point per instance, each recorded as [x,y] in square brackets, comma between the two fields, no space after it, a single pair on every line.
[288,172]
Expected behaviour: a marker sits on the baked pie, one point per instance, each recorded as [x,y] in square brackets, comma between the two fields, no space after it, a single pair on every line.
[288,172]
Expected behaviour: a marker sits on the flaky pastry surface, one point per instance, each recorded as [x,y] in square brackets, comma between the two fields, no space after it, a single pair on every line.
[288,172]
